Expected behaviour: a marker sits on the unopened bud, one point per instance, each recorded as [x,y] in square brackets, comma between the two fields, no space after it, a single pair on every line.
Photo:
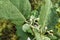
[28,38]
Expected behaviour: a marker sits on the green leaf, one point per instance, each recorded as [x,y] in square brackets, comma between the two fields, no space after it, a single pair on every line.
[23,6]
[44,13]
[53,37]
[53,18]
[9,11]
[39,36]
[21,34]
[46,38]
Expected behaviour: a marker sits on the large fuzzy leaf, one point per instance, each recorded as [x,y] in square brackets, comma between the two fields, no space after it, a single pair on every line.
[53,19]
[9,11]
[23,6]
[44,13]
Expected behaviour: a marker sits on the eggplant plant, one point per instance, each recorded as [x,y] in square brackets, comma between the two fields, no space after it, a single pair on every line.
[29,19]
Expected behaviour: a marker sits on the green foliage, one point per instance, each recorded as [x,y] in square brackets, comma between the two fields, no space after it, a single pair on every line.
[44,13]
[23,6]
[9,11]
[33,19]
